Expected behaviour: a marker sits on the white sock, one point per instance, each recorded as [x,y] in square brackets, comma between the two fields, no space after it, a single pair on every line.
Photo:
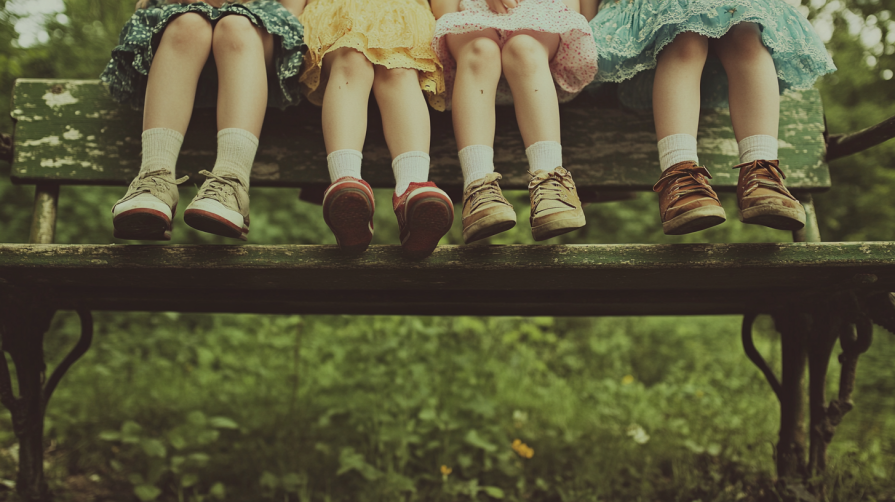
[343,163]
[544,156]
[758,147]
[236,154]
[476,161]
[677,148]
[160,149]
[410,167]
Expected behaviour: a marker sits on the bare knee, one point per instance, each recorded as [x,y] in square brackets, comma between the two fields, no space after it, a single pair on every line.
[350,65]
[234,34]
[188,31]
[523,54]
[395,76]
[687,47]
[742,43]
[481,55]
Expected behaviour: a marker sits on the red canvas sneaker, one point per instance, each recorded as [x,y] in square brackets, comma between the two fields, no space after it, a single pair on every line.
[425,213]
[348,206]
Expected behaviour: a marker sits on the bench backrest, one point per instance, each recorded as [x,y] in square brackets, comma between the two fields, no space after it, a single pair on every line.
[72,132]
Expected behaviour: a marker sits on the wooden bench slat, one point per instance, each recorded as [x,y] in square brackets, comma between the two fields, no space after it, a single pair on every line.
[71,132]
[496,280]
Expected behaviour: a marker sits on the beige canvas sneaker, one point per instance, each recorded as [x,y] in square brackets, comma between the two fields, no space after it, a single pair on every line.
[485,210]
[221,207]
[555,207]
[147,209]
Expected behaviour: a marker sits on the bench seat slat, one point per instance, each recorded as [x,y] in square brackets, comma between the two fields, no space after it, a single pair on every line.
[582,279]
[72,132]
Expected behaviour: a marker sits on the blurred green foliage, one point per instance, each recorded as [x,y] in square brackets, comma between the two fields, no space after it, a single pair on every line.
[244,407]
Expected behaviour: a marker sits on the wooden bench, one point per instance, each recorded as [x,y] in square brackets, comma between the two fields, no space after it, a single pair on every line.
[72,133]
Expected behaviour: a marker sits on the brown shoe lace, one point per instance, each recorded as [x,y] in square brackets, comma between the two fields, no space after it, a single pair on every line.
[764,174]
[549,186]
[486,192]
[218,187]
[686,182]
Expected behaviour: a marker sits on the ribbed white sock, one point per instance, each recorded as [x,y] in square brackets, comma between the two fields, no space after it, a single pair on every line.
[236,154]
[410,167]
[476,161]
[160,149]
[544,156]
[677,148]
[343,163]
[758,147]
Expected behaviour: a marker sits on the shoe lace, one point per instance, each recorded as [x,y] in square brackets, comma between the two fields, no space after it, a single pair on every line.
[764,174]
[686,181]
[218,187]
[157,178]
[551,186]
[486,192]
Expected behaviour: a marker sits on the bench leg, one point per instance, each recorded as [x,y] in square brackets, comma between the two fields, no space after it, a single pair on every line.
[23,323]
[791,449]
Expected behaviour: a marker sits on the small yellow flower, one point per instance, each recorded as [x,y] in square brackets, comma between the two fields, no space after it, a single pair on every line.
[699,394]
[627,379]
[446,471]
[522,449]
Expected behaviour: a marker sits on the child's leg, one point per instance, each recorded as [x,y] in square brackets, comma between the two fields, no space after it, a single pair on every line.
[755,113]
[242,54]
[405,121]
[676,97]
[555,207]
[475,88]
[754,91]
[146,210]
[424,212]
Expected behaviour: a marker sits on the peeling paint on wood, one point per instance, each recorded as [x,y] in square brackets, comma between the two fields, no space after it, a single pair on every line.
[606,146]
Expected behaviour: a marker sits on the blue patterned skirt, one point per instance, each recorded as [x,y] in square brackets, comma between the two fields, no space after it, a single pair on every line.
[631,33]
[128,71]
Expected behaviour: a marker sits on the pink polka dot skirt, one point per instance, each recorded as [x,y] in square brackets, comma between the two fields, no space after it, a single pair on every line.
[575,63]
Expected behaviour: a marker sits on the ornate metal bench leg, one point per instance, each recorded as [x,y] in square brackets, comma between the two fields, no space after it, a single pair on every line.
[793,330]
[23,323]
[825,330]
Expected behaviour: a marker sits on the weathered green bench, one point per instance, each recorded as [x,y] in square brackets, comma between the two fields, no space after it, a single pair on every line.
[71,133]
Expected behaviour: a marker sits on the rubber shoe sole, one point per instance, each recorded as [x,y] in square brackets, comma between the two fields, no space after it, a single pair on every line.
[429,219]
[774,216]
[490,225]
[212,223]
[348,215]
[557,227]
[142,224]
[695,220]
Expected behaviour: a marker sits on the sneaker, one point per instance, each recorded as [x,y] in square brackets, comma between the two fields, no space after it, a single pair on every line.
[221,207]
[762,198]
[687,203]
[147,209]
[555,207]
[425,214]
[485,210]
[348,207]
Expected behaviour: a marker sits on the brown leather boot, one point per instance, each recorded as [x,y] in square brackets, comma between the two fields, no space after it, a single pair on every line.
[762,198]
[686,201]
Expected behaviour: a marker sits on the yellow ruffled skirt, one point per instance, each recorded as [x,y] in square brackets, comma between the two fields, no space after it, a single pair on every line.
[391,33]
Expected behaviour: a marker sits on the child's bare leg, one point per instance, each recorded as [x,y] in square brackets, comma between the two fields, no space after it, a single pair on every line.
[755,113]
[345,102]
[475,86]
[676,103]
[178,62]
[526,64]
[241,53]
[676,88]
[242,75]
[754,90]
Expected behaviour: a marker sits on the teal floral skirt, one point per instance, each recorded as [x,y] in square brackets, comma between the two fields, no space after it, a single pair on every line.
[631,33]
[128,71]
